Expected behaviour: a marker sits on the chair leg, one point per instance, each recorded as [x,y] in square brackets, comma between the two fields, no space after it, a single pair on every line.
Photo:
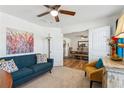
[50,71]
[85,74]
[91,83]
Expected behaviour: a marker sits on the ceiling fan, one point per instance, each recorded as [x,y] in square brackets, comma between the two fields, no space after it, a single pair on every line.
[54,11]
[82,36]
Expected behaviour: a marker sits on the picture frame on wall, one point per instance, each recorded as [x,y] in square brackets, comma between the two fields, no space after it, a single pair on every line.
[80,44]
[18,42]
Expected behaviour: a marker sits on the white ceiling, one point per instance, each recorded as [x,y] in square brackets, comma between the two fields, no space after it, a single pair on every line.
[84,13]
[76,34]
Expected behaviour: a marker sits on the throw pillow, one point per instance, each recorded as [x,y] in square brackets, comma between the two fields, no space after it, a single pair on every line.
[2,60]
[8,66]
[99,63]
[41,58]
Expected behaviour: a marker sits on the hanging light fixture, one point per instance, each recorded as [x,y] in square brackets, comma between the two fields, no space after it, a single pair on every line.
[54,13]
[82,37]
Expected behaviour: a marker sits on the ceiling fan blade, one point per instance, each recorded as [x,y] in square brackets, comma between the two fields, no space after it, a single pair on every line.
[67,12]
[57,18]
[47,6]
[45,13]
[57,7]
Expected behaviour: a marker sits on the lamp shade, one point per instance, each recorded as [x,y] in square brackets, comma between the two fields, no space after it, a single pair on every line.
[120,28]
[121,35]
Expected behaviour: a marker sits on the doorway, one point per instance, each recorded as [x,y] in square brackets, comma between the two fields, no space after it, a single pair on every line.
[76,47]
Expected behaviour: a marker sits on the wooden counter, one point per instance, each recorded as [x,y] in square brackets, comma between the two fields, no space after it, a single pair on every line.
[113,73]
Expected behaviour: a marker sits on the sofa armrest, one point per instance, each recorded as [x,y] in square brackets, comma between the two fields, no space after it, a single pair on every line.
[50,60]
[97,75]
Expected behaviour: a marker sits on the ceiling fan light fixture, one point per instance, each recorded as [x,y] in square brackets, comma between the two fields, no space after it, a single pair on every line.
[54,13]
[82,38]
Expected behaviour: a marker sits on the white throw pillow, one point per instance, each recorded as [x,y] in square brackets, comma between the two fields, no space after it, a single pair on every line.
[2,60]
[8,66]
[41,58]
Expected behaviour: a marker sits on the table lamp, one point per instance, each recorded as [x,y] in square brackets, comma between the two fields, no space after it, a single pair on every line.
[120,35]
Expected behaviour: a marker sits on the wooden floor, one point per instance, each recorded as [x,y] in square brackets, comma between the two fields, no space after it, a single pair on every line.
[75,63]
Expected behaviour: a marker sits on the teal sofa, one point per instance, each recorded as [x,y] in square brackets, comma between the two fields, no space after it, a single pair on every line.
[28,68]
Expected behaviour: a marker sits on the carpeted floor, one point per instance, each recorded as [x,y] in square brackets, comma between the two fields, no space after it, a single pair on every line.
[61,77]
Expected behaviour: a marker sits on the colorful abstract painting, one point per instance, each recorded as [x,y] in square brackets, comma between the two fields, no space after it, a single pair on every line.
[19,41]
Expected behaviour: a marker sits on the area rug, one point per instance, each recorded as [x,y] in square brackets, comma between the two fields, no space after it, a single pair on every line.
[61,77]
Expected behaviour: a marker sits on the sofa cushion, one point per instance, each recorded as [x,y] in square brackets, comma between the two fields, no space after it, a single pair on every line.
[90,69]
[99,63]
[41,58]
[40,66]
[21,73]
[8,66]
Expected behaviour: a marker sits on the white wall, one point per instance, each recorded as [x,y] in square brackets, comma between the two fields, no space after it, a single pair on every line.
[98,44]
[40,42]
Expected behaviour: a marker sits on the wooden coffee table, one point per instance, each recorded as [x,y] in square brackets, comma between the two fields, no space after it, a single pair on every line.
[5,79]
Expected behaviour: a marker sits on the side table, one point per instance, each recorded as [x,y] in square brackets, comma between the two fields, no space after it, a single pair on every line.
[5,79]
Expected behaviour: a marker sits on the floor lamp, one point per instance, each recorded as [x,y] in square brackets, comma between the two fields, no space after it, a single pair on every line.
[49,39]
